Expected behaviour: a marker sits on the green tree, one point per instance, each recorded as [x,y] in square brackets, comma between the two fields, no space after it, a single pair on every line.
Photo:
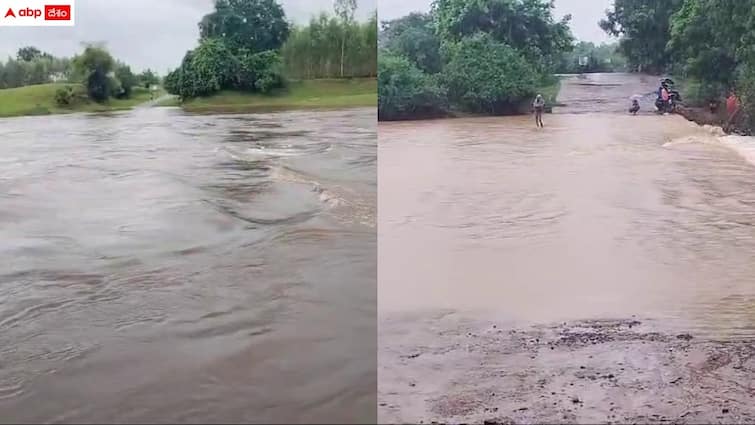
[484,75]
[708,38]
[95,64]
[254,25]
[126,79]
[712,42]
[345,11]
[413,36]
[260,71]
[643,26]
[525,25]
[147,78]
[28,53]
[313,51]
[405,92]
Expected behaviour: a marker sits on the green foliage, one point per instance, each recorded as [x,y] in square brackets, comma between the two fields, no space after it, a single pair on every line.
[95,64]
[700,92]
[64,96]
[212,67]
[405,92]
[712,42]
[525,25]
[254,25]
[237,50]
[643,26]
[126,80]
[706,37]
[39,69]
[314,51]
[413,36]
[484,56]
[260,72]
[601,58]
[484,75]
[28,54]
[147,78]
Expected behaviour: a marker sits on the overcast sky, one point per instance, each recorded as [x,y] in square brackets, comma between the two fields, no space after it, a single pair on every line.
[584,23]
[143,33]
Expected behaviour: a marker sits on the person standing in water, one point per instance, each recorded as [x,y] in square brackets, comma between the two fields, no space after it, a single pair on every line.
[539,105]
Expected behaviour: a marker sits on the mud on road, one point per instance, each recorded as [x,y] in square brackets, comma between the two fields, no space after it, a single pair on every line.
[449,370]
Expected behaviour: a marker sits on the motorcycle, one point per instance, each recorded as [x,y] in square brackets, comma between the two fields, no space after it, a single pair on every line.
[674,98]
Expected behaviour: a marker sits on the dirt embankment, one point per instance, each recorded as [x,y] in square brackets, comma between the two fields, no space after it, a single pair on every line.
[613,371]
[739,125]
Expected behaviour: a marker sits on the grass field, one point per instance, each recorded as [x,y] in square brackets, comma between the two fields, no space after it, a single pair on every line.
[40,100]
[309,94]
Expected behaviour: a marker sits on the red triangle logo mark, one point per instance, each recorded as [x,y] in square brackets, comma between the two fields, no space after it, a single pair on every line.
[10,13]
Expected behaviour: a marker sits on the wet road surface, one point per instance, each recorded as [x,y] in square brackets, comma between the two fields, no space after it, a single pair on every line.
[600,215]
[164,267]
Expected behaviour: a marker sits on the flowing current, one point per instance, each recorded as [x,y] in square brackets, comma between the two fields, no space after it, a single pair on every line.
[164,267]
[598,215]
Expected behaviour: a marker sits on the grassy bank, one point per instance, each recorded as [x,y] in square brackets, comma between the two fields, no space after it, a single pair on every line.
[306,94]
[40,100]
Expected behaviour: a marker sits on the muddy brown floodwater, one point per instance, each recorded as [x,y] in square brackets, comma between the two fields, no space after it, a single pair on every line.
[164,267]
[601,269]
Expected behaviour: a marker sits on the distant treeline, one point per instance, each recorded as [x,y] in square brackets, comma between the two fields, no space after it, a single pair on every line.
[314,50]
[93,74]
[587,57]
[31,66]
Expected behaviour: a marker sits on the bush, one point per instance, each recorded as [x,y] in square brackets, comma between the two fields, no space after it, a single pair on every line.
[487,76]
[746,91]
[212,67]
[126,80]
[260,71]
[699,93]
[64,96]
[405,92]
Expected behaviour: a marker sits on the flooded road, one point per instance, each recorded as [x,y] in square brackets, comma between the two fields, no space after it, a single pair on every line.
[163,267]
[648,215]
[491,222]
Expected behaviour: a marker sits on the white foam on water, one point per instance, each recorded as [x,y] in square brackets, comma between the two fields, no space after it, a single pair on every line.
[742,145]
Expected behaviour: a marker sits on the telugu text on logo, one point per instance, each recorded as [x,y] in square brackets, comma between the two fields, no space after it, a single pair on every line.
[58,12]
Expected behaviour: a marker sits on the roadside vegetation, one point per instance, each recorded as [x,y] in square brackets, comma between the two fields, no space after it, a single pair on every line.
[587,57]
[707,44]
[249,57]
[470,56]
[37,83]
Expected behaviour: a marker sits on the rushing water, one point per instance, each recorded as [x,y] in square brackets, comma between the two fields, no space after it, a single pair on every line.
[158,266]
[599,214]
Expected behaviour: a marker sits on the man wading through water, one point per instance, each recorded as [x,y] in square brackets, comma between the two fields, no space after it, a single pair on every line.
[539,105]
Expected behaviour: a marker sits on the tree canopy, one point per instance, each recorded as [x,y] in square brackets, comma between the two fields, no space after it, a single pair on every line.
[254,25]
[643,28]
[483,56]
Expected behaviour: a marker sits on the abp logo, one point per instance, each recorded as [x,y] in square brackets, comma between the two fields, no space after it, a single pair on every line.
[37,13]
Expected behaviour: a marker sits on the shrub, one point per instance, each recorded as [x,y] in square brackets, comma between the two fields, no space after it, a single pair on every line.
[405,92]
[483,75]
[64,96]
